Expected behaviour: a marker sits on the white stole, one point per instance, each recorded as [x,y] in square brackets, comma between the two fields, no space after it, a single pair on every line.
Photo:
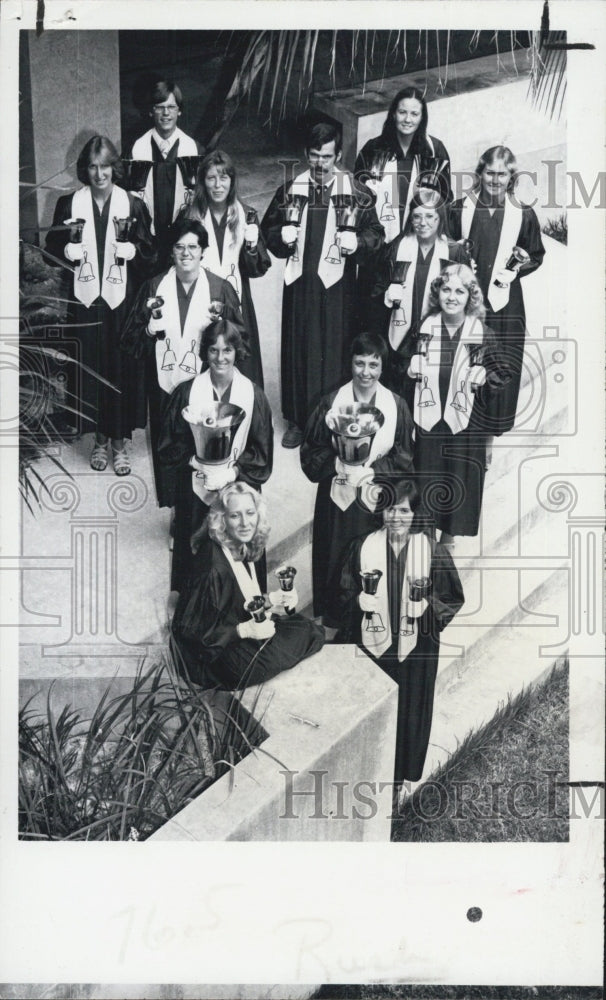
[387,191]
[408,250]
[227,266]
[177,357]
[86,291]
[510,231]
[342,494]
[248,584]
[328,273]
[142,150]
[460,399]
[201,398]
[373,555]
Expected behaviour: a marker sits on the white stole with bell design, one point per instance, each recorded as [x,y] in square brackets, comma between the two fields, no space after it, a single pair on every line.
[228,265]
[142,150]
[342,494]
[328,273]
[387,191]
[373,555]
[248,583]
[510,231]
[409,250]
[201,398]
[459,402]
[88,284]
[177,357]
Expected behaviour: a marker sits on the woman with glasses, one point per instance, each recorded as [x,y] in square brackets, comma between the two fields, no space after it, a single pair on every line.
[236,249]
[250,456]
[220,643]
[106,275]
[405,271]
[165,328]
[161,145]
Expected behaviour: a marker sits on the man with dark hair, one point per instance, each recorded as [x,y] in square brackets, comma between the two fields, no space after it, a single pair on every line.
[304,224]
[162,144]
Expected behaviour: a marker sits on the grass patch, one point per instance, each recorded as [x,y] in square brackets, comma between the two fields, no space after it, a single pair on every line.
[506,781]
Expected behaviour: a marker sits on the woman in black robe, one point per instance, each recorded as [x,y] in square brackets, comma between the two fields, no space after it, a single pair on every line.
[459,373]
[394,163]
[250,458]
[422,249]
[148,337]
[219,643]
[398,627]
[495,222]
[236,249]
[343,511]
[106,277]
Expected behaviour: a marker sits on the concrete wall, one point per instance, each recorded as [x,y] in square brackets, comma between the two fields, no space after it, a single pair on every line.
[75,94]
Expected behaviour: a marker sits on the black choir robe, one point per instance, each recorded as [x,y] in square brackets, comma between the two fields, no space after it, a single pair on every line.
[509,323]
[380,316]
[404,166]
[333,528]
[176,447]
[416,675]
[205,628]
[251,264]
[94,338]
[136,342]
[451,467]
[318,323]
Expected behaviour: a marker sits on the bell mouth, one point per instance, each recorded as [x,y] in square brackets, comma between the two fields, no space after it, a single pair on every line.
[353,428]
[214,429]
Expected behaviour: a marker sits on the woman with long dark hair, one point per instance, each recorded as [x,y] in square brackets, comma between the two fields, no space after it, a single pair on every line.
[236,249]
[220,644]
[106,276]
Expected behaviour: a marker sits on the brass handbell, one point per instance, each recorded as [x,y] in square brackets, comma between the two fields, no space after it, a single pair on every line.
[188,364]
[86,272]
[426,395]
[460,399]
[169,359]
[334,253]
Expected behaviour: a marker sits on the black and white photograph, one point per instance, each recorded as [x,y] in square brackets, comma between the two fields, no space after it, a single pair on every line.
[301,555]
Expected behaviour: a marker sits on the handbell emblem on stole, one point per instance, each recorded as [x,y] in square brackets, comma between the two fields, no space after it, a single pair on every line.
[169,359]
[460,399]
[387,213]
[188,363]
[334,253]
[86,272]
[426,395]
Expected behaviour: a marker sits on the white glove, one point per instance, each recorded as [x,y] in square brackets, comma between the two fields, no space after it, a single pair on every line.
[348,241]
[74,251]
[414,609]
[368,602]
[393,294]
[215,481]
[289,234]
[284,598]
[354,474]
[125,251]
[416,366]
[477,375]
[251,233]
[505,276]
[256,630]
[155,326]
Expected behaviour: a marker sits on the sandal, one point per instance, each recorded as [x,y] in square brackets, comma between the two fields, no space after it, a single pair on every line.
[98,457]
[121,461]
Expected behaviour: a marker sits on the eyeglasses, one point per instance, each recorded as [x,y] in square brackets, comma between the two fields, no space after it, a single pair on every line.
[191,248]
[159,108]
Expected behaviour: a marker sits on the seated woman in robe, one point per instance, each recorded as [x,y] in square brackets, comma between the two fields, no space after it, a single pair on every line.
[347,494]
[168,336]
[405,271]
[250,457]
[220,644]
[417,594]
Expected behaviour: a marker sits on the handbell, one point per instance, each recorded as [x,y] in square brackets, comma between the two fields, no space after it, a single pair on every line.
[460,399]
[334,253]
[169,359]
[518,258]
[426,395]
[432,175]
[370,583]
[293,209]
[155,304]
[76,227]
[189,362]
[256,608]
[124,230]
[86,272]
[286,576]
[114,276]
[214,430]
[233,280]
[399,271]
[136,173]
[387,213]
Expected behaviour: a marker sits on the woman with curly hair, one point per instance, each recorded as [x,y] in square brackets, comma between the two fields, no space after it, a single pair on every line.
[492,218]
[236,249]
[251,451]
[220,644]
[459,374]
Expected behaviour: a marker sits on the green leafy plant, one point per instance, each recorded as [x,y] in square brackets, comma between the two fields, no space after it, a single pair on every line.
[135,764]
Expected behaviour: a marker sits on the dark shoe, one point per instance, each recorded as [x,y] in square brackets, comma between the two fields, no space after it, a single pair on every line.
[292,438]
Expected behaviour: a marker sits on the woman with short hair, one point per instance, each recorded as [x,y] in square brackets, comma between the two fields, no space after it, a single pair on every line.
[220,644]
